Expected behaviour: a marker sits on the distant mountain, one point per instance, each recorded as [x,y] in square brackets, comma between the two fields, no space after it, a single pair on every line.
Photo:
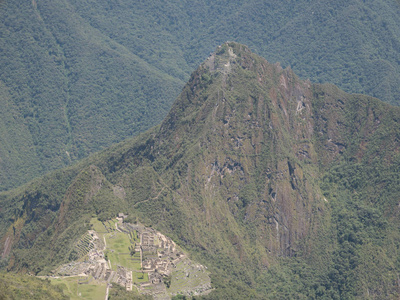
[283,188]
[78,76]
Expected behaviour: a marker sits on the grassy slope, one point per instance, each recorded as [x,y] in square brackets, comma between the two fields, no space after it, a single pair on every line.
[73,290]
[77,77]
[120,243]
[27,287]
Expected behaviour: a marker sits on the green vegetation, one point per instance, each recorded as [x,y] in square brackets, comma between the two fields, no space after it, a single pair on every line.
[75,91]
[185,277]
[138,277]
[82,248]
[118,244]
[78,288]
[20,287]
[119,293]
[282,188]
[98,226]
[77,77]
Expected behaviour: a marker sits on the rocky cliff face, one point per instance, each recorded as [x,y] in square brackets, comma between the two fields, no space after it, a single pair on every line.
[252,168]
[246,128]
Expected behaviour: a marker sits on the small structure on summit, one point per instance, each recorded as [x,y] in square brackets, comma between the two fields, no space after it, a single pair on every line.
[122,215]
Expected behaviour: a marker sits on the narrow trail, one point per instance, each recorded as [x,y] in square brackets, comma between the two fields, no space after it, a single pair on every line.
[154,198]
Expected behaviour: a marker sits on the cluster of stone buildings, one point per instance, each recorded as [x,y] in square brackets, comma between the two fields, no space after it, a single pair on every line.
[159,256]
[121,277]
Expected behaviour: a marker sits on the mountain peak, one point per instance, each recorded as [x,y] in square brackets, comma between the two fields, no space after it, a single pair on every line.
[229,54]
[224,56]
[251,164]
[234,88]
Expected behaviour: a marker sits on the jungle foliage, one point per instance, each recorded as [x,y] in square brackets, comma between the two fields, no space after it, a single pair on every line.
[20,287]
[284,189]
[78,76]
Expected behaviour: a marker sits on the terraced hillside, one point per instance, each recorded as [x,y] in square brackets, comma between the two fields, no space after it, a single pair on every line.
[139,259]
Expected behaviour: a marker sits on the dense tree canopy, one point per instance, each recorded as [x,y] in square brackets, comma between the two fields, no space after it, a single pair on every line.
[78,76]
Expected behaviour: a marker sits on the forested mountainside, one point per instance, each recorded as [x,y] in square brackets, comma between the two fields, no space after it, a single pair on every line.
[282,187]
[77,76]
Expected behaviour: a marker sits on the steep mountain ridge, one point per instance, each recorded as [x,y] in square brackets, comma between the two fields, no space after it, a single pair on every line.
[246,126]
[78,76]
[285,188]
